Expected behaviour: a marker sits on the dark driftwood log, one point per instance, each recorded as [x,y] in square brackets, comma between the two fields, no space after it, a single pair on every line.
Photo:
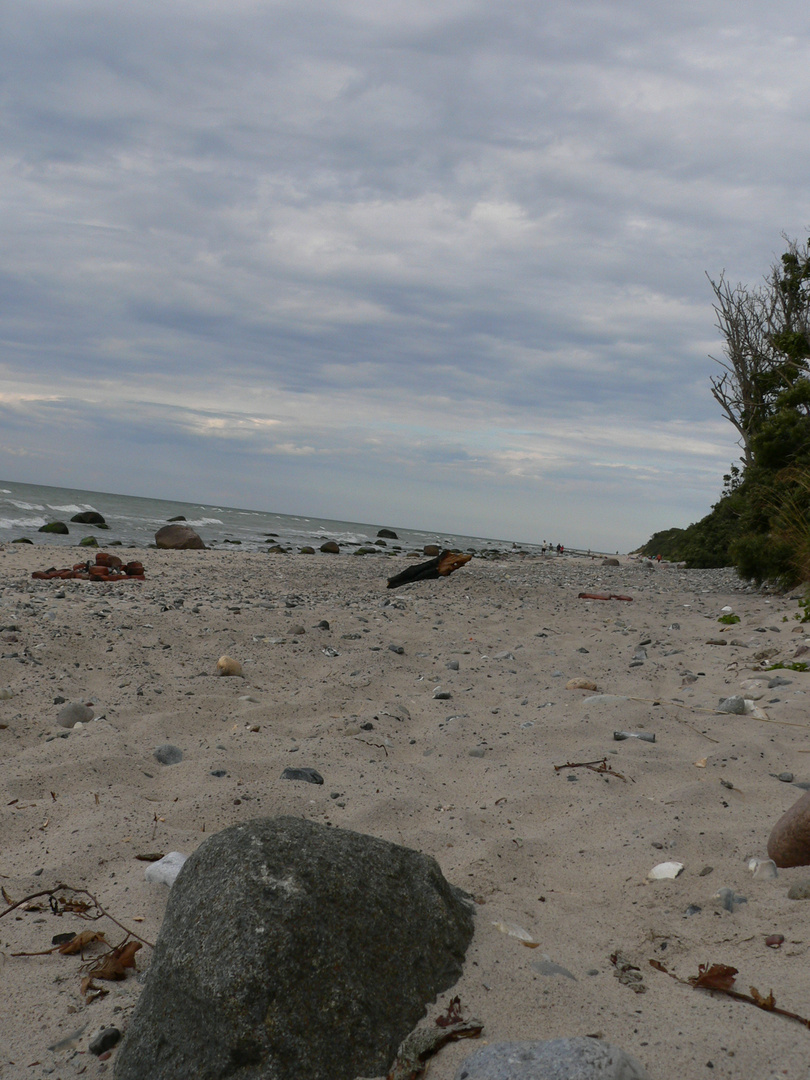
[441,566]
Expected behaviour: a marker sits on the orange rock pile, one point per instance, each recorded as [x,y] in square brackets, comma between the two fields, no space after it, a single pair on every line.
[106,568]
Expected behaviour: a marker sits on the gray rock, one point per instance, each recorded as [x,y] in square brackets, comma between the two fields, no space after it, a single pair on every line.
[74,713]
[310,776]
[105,1040]
[734,704]
[168,754]
[293,950]
[800,890]
[556,1059]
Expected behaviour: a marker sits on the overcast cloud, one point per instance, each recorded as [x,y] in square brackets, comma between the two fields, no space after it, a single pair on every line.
[435,263]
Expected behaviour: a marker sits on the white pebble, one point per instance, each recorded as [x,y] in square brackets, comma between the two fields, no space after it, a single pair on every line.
[165,870]
[665,871]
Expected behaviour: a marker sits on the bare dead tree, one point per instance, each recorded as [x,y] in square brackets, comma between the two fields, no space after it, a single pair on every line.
[766,341]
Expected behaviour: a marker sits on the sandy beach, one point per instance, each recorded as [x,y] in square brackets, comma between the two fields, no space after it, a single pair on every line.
[559,855]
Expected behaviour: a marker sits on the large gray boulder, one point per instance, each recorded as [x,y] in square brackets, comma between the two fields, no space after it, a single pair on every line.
[552,1059]
[178,536]
[291,950]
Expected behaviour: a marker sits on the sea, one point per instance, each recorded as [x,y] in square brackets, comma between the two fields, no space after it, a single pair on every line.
[133,522]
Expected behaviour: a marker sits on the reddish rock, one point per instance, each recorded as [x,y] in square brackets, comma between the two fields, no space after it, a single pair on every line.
[134,568]
[180,537]
[789,842]
[104,559]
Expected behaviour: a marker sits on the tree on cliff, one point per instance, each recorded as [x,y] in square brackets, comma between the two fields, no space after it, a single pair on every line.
[766,342]
[761,524]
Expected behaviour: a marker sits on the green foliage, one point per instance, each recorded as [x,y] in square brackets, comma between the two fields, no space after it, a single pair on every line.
[761,523]
[729,619]
[797,665]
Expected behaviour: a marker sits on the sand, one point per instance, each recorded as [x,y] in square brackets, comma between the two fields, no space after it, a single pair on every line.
[561,854]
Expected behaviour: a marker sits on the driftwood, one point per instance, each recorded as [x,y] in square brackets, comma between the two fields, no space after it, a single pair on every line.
[441,566]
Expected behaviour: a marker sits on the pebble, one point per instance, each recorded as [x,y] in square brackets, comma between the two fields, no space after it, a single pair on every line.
[398,649]
[729,899]
[578,1058]
[165,870]
[785,777]
[228,666]
[800,890]
[74,713]
[311,776]
[646,736]
[789,842]
[168,754]
[104,1040]
[6,693]
[734,704]
[441,695]
[452,665]
[580,684]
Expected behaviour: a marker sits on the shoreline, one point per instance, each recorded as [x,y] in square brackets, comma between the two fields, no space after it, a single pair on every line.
[563,854]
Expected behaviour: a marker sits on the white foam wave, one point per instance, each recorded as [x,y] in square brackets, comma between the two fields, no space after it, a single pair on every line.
[72,508]
[25,505]
[203,521]
[22,523]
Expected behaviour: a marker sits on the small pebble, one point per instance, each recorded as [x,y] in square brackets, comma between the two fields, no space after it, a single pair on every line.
[734,704]
[800,890]
[105,1040]
[786,777]
[165,870]
[228,666]
[773,941]
[311,776]
[167,754]
[74,713]
[398,649]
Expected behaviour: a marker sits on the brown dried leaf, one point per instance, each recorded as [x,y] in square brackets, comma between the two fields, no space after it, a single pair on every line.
[77,943]
[717,977]
[452,1015]
[114,964]
[768,1002]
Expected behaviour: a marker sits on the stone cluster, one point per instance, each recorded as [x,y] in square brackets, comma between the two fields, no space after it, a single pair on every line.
[106,568]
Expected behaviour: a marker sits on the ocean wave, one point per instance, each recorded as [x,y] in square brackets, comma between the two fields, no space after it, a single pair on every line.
[203,521]
[22,523]
[25,505]
[72,508]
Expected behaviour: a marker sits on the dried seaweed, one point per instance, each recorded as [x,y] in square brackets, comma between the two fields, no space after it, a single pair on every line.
[600,766]
[719,978]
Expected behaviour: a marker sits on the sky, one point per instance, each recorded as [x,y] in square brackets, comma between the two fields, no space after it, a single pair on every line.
[431,263]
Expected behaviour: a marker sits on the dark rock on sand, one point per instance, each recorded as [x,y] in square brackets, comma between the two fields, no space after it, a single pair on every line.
[789,842]
[181,537]
[88,541]
[293,950]
[330,547]
[431,549]
[54,527]
[555,1059]
[90,517]
[310,776]
[168,754]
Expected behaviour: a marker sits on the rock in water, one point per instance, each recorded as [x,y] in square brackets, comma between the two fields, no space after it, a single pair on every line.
[178,536]
[90,517]
[293,950]
[555,1059]
[789,842]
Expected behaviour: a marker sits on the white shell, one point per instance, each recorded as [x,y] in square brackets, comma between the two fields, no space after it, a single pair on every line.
[665,871]
[762,869]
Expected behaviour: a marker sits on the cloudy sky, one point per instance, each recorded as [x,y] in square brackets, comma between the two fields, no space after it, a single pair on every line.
[434,263]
